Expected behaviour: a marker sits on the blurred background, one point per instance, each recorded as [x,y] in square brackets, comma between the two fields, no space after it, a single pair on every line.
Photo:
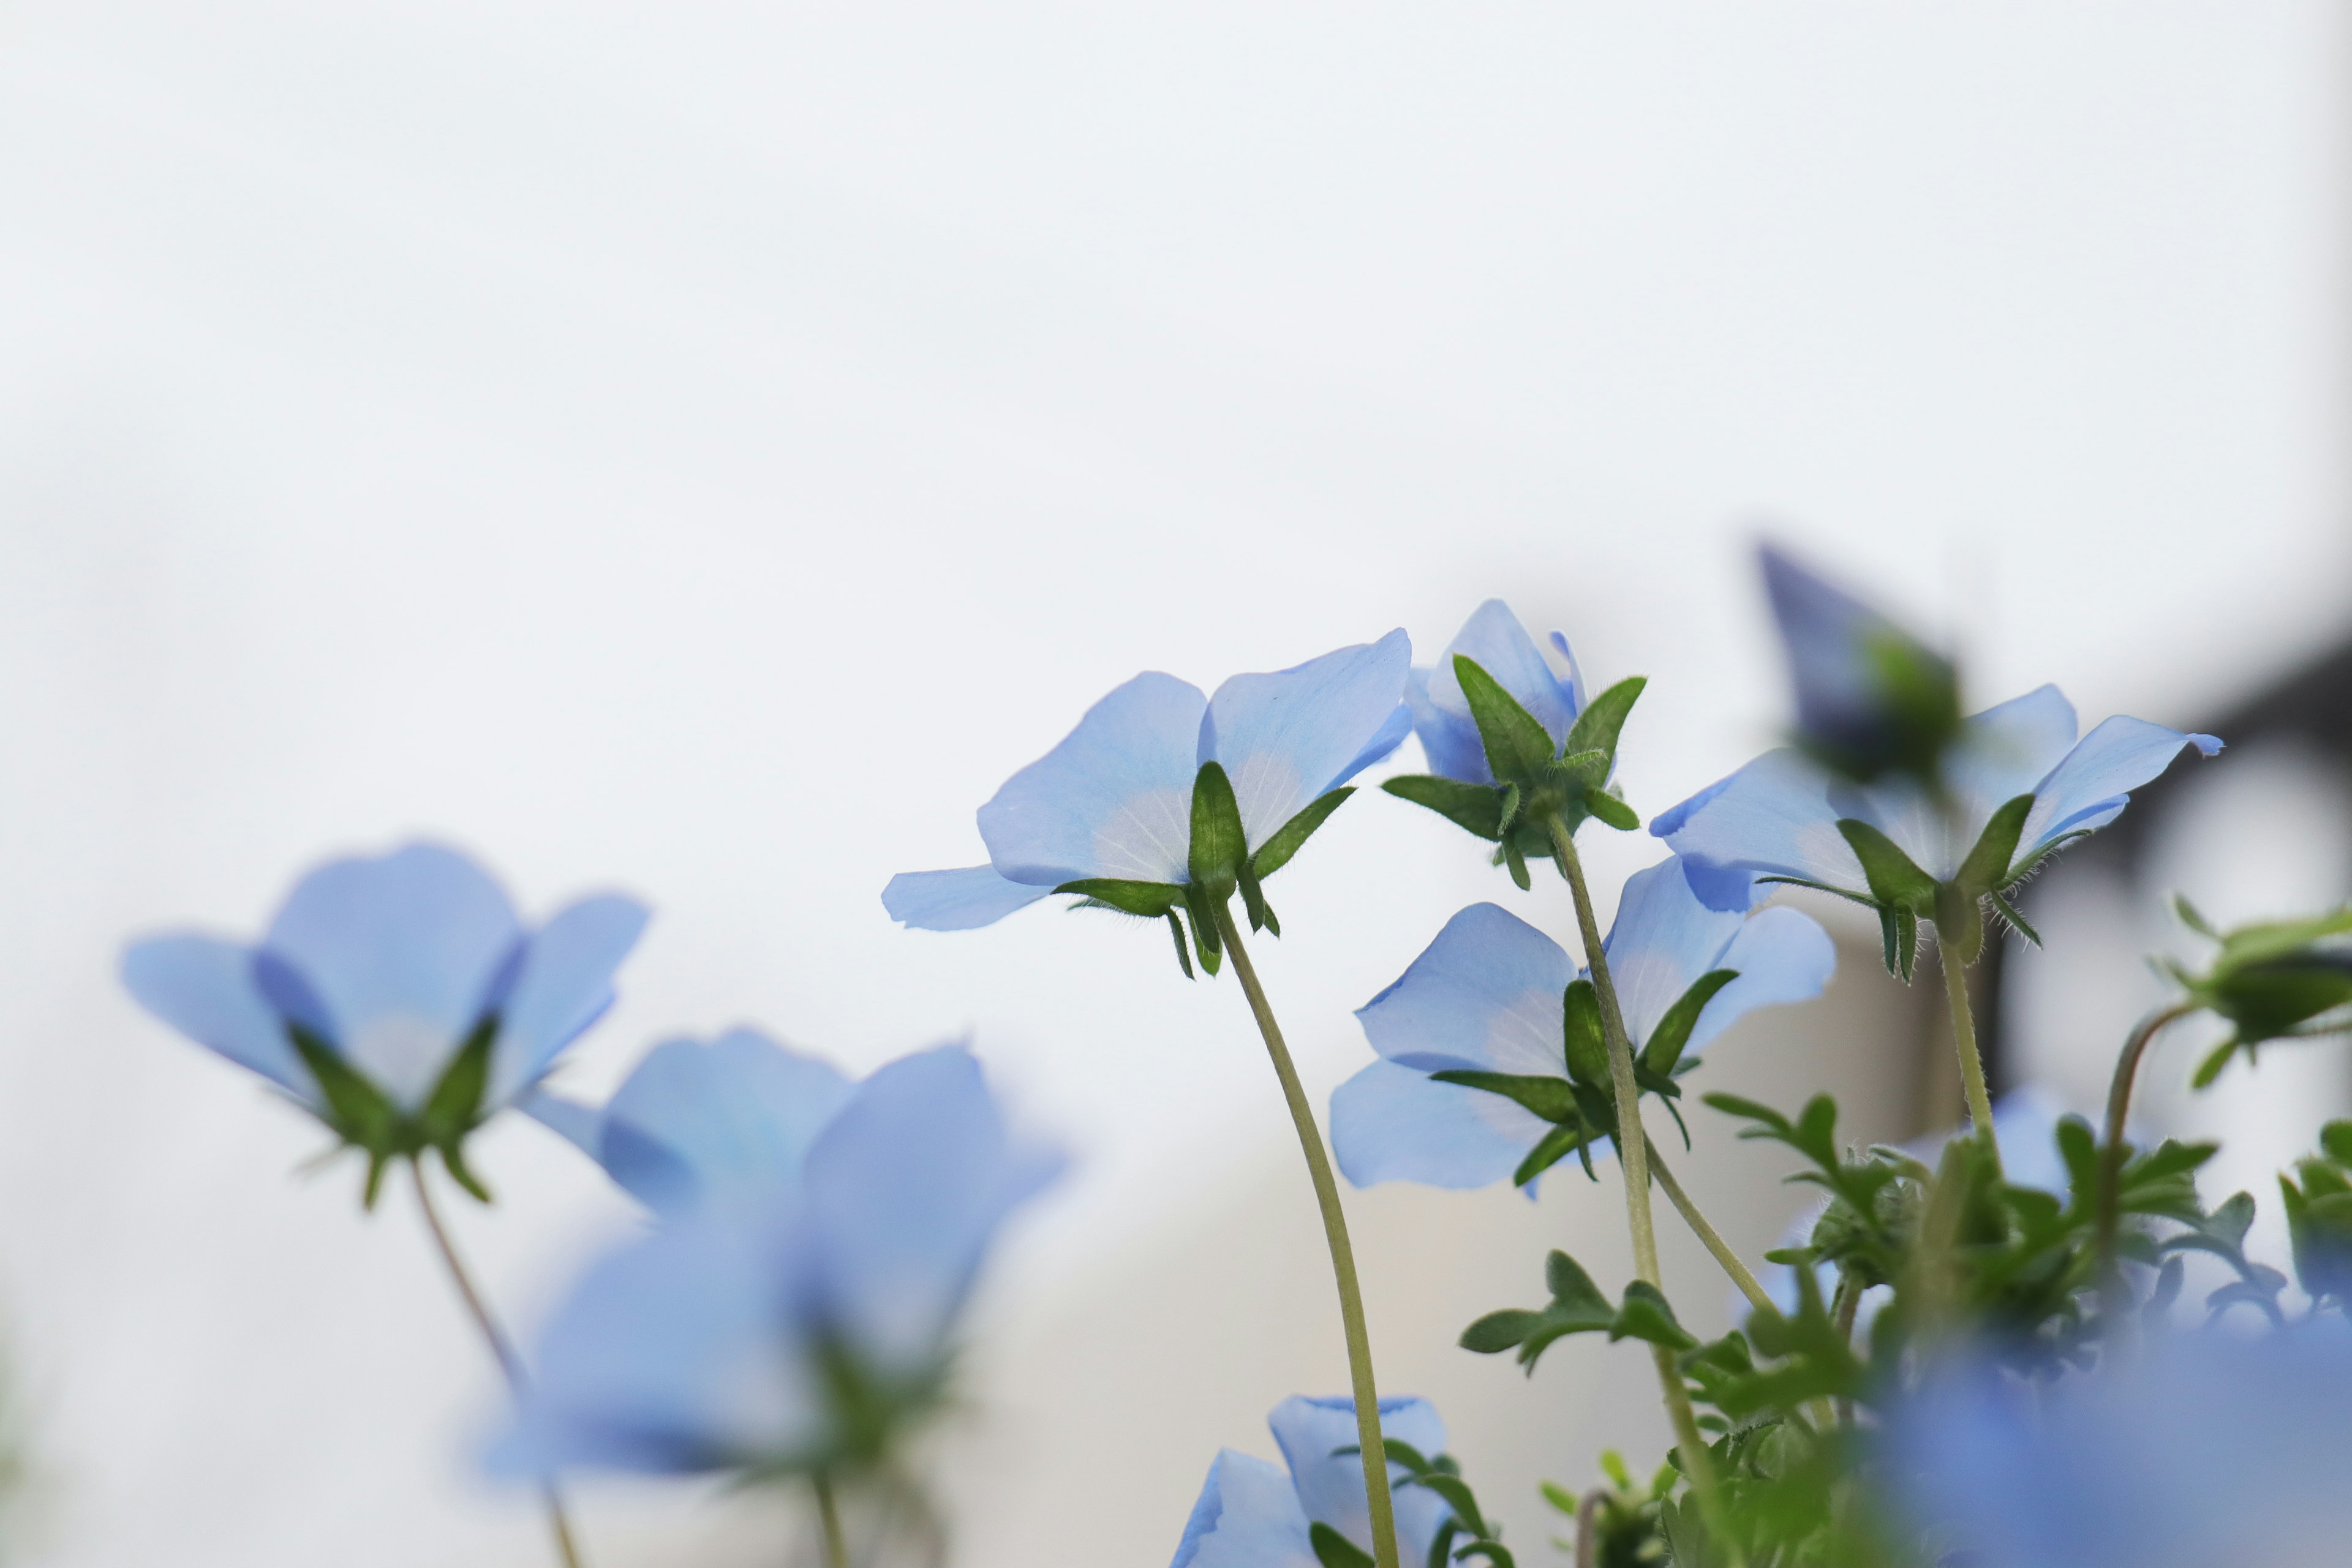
[703,449]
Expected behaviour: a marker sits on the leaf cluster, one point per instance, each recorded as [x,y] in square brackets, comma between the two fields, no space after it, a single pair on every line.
[2273,980]
[1465,1532]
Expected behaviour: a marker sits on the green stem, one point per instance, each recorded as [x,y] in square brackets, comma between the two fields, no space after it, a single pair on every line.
[1633,1154]
[566,1550]
[1343,1257]
[1707,1235]
[836,1546]
[2107,1215]
[1964,1042]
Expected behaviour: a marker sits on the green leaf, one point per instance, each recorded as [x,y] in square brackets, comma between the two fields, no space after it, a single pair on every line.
[1610,810]
[1570,1285]
[1474,807]
[1218,847]
[1647,1316]
[1986,869]
[1518,748]
[2336,1139]
[1667,1039]
[1550,1098]
[1275,852]
[1596,729]
[1568,1138]
[1498,1332]
[2211,1068]
[1895,881]
[1333,1550]
[1457,1494]
[2191,917]
[1151,900]
[1493,1551]
[1581,1042]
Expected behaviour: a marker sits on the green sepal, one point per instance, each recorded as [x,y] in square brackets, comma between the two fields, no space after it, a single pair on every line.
[2007,910]
[1597,727]
[1176,930]
[1583,1047]
[1219,847]
[356,1108]
[1610,810]
[2335,1143]
[1553,1098]
[1647,1316]
[1664,1047]
[1518,861]
[1517,745]
[453,1159]
[1896,880]
[1150,899]
[1986,871]
[2211,1068]
[454,1108]
[1474,806]
[1568,1138]
[1333,1550]
[1959,923]
[1206,941]
[1899,934]
[1275,852]
[1260,913]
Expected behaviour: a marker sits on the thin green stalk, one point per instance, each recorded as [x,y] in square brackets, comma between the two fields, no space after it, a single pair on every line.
[1343,1255]
[1707,1235]
[1633,1154]
[1964,1041]
[501,1347]
[2107,1216]
[836,1545]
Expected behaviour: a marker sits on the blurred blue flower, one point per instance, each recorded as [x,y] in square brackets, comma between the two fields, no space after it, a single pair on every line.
[1779,817]
[397,997]
[1114,800]
[800,1321]
[2204,1450]
[1254,1514]
[1493,639]
[1487,996]
[1870,697]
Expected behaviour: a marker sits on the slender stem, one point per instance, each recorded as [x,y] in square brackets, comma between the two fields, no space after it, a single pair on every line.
[836,1546]
[1841,1315]
[1633,1154]
[2107,1217]
[1343,1255]
[1707,1235]
[501,1347]
[1964,1042]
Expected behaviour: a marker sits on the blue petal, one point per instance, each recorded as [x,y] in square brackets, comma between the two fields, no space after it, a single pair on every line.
[679,1353]
[2091,785]
[1450,741]
[1772,818]
[401,953]
[1114,799]
[1783,955]
[1287,737]
[1486,994]
[1662,940]
[962,899]
[565,984]
[1495,642]
[731,1120]
[205,988]
[1248,1516]
[1392,1123]
[1833,641]
[2005,750]
[1331,1485]
[906,1186]
[581,1126]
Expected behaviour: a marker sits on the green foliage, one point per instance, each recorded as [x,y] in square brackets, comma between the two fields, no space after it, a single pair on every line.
[1578,1307]
[2273,980]
[1465,1522]
[2319,1200]
[361,1115]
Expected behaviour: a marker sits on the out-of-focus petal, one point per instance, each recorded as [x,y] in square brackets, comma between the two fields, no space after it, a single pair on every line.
[1287,737]
[1486,994]
[402,953]
[1392,1123]
[1773,816]
[962,899]
[205,988]
[905,1186]
[1783,955]
[1331,1485]
[1114,799]
[2095,779]
[1248,1516]
[1450,741]
[732,1121]
[581,1126]
[565,984]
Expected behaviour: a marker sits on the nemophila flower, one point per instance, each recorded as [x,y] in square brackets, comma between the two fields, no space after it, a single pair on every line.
[798,1325]
[2011,788]
[1515,753]
[398,998]
[1163,800]
[1255,1514]
[1492,1063]
[2272,980]
[2205,1449]
[1871,697]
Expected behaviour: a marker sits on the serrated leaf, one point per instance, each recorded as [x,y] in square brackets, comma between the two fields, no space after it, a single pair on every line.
[1151,900]
[1475,808]
[1895,878]
[1549,1098]
[1517,746]
[1275,852]
[1671,1032]
[1219,847]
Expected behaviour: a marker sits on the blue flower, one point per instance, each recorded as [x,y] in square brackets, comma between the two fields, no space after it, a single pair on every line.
[1113,802]
[1871,697]
[398,998]
[1254,1514]
[1487,997]
[1494,640]
[2204,1450]
[801,1322]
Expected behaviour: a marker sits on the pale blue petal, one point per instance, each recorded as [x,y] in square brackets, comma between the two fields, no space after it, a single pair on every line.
[1783,955]
[581,1126]
[401,953]
[1576,694]
[1392,1123]
[205,988]
[2098,776]
[1662,940]
[1772,818]
[1248,1516]
[1450,741]
[962,899]
[1331,1485]
[1493,640]
[1114,799]
[679,1353]
[1287,737]
[565,984]
[728,1122]
[1486,996]
[1384,741]
[2006,751]
[905,1187]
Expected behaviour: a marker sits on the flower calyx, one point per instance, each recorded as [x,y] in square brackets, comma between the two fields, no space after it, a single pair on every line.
[368,1119]
[2272,980]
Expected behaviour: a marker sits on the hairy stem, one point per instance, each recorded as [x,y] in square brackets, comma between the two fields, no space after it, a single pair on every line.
[501,1347]
[1343,1255]
[1964,1042]
[1707,1235]
[836,1545]
[1842,1316]
[2106,1215]
[1633,1154]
